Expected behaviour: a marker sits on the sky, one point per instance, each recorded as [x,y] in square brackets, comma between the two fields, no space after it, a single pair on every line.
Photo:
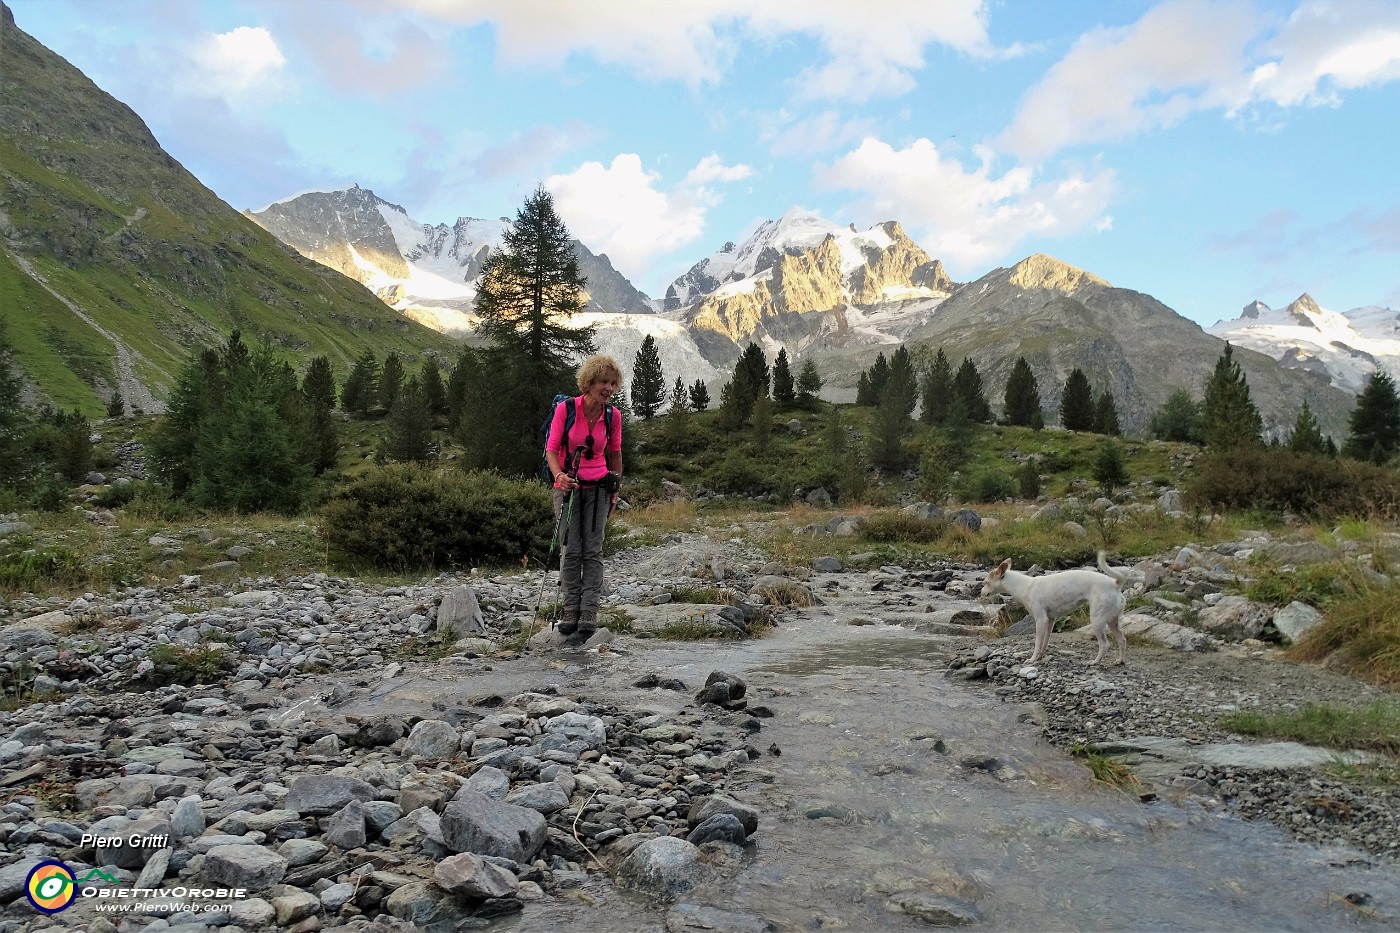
[1205,152]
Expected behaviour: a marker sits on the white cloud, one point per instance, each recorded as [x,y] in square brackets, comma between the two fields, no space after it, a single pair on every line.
[619,209]
[967,217]
[787,135]
[1326,48]
[871,51]
[238,61]
[1186,56]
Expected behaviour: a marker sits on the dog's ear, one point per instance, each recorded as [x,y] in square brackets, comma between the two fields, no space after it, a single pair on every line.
[1001,568]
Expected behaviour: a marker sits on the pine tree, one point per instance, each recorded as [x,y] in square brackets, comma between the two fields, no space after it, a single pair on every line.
[16,463]
[1228,413]
[318,385]
[902,382]
[762,424]
[1375,421]
[390,381]
[1077,412]
[318,388]
[699,396]
[879,377]
[116,405]
[1179,419]
[731,413]
[677,427]
[434,393]
[937,390]
[865,396]
[410,434]
[529,288]
[1307,435]
[1109,467]
[73,452]
[1106,415]
[809,382]
[743,392]
[755,366]
[648,382]
[1022,399]
[784,389]
[457,382]
[361,388]
[967,385]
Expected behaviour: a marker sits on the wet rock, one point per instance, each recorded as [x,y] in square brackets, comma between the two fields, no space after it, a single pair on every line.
[715,805]
[469,877]
[934,909]
[662,867]
[722,827]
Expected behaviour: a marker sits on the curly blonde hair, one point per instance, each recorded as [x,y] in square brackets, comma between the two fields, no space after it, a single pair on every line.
[596,369]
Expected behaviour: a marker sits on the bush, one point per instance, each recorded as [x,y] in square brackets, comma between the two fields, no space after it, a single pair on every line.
[1028,480]
[738,474]
[406,515]
[987,486]
[1285,481]
[897,526]
[117,495]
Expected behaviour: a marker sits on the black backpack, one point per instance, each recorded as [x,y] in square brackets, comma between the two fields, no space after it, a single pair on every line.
[570,416]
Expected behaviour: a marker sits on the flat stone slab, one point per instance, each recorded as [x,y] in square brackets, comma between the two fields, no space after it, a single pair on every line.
[1158,759]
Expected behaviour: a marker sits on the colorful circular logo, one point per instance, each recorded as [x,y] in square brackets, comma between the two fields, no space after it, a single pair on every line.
[50,887]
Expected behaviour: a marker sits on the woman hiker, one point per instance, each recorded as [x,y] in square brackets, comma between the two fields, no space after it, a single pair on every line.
[598,446]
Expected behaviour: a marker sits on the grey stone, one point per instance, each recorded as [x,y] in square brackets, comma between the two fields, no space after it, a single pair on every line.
[662,867]
[432,738]
[724,827]
[323,794]
[468,876]
[1235,617]
[827,565]
[1295,620]
[460,613]
[474,823]
[243,866]
[693,918]
[547,798]
[293,906]
[188,818]
[346,828]
[934,909]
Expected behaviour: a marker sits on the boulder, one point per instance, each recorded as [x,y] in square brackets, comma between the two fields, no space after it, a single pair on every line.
[662,867]
[460,614]
[1235,618]
[1295,620]
[475,823]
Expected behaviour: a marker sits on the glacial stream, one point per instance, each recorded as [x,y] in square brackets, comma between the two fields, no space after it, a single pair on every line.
[885,791]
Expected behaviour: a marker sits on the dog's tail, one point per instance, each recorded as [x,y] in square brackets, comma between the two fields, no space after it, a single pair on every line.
[1109,571]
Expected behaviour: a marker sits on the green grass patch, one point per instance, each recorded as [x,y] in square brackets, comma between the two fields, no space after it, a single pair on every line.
[1104,768]
[1315,584]
[1374,728]
[1360,630]
[189,664]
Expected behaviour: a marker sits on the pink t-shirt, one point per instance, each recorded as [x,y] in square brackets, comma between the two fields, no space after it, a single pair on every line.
[592,468]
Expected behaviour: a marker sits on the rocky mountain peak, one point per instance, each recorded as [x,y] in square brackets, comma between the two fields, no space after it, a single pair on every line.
[1047,272]
[1304,304]
[1255,310]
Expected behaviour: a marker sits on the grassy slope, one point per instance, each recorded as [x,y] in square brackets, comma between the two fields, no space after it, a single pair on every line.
[122,230]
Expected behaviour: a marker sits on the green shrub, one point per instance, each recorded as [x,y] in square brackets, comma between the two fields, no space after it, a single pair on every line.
[1285,481]
[738,474]
[409,516]
[34,570]
[1028,480]
[987,486]
[117,496]
[897,526]
[1314,584]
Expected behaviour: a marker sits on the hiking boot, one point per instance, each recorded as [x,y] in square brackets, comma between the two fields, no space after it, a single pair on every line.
[588,623]
[569,624]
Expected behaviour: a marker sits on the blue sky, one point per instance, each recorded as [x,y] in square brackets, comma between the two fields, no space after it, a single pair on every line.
[1206,153]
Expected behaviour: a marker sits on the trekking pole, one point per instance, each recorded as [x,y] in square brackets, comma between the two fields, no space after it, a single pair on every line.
[565,519]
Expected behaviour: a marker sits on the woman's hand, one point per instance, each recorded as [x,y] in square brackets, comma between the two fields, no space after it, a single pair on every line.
[565,481]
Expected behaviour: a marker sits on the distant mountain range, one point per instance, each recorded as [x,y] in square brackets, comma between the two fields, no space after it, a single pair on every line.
[1344,348]
[116,265]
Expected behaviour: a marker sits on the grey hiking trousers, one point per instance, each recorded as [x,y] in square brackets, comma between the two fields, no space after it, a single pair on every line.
[581,550]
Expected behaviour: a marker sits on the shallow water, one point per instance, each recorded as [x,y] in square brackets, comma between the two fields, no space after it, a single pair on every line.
[861,807]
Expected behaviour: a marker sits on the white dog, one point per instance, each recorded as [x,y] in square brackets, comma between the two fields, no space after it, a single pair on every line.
[1054,595]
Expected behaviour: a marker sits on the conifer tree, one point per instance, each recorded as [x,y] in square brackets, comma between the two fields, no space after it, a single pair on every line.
[809,382]
[1109,467]
[1022,399]
[834,431]
[902,382]
[73,451]
[865,396]
[529,289]
[116,405]
[410,427]
[677,426]
[15,460]
[937,390]
[1077,412]
[744,392]
[457,382]
[390,381]
[648,382]
[1375,421]
[434,392]
[762,424]
[318,385]
[731,414]
[361,389]
[318,388]
[1228,415]
[755,366]
[784,389]
[967,385]
[699,396]
[1106,415]
[1179,419]
[1307,435]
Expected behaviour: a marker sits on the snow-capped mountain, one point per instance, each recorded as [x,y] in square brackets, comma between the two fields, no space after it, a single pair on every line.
[1344,347]
[738,269]
[427,272]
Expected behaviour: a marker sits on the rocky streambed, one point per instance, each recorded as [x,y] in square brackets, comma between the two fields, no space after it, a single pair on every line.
[372,757]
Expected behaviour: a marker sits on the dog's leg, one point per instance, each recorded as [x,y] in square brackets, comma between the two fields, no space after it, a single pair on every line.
[1097,624]
[1118,635]
[1042,638]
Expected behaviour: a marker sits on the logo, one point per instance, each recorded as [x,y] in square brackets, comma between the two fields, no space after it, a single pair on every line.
[50,887]
[98,875]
